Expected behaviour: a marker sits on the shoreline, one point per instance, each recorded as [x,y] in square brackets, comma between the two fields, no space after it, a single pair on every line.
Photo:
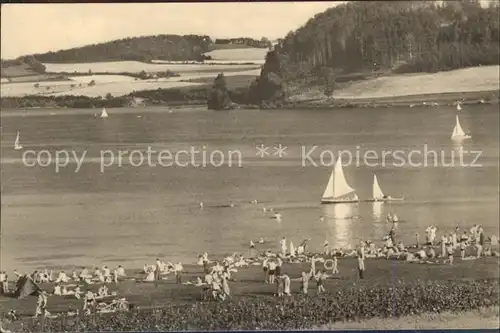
[427,100]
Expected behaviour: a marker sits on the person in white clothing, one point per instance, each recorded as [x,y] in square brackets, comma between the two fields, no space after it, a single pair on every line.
[272,271]
[62,277]
[283,246]
[121,271]
[178,271]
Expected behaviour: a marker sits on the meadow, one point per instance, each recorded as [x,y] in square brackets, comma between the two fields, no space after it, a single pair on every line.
[240,54]
[136,67]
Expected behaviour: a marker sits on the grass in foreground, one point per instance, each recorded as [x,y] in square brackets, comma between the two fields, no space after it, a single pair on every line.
[486,317]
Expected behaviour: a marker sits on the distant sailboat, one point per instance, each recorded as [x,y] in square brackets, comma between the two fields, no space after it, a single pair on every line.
[378,195]
[104,114]
[337,190]
[459,107]
[458,133]
[17,145]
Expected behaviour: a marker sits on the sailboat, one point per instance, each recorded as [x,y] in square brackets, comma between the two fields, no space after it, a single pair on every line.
[459,107]
[337,190]
[378,195]
[104,114]
[17,145]
[458,133]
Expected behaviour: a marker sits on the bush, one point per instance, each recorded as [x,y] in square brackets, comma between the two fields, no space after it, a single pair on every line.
[297,312]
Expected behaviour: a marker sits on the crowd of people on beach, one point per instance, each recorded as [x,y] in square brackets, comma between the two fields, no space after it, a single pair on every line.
[217,274]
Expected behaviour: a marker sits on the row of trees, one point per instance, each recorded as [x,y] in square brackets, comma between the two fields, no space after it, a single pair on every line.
[424,35]
[160,47]
[264,42]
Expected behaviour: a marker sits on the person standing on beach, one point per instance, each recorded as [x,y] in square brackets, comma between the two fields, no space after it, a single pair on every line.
[225,287]
[450,250]
[41,305]
[443,246]
[320,278]
[265,269]
[417,245]
[157,272]
[361,260]
[335,269]
[272,271]
[278,267]
[283,246]
[304,282]
[286,282]
[454,237]
[462,249]
[4,282]
[178,272]
[392,234]
[280,285]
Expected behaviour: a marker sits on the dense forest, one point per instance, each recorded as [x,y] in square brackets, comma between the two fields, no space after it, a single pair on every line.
[405,36]
[160,47]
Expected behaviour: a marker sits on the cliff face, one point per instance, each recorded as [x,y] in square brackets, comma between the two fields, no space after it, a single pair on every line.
[268,90]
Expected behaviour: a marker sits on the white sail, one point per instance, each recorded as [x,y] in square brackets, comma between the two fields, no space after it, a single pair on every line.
[337,185]
[292,249]
[340,186]
[104,114]
[458,132]
[459,107]
[329,187]
[17,145]
[376,190]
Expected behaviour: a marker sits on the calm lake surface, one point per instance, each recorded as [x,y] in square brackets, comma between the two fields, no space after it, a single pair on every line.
[131,215]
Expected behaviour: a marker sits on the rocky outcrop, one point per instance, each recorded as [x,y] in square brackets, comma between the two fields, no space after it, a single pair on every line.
[218,98]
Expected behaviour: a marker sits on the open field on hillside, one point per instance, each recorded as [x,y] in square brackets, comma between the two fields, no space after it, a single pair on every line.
[18,70]
[117,85]
[474,79]
[242,54]
[137,67]
[213,47]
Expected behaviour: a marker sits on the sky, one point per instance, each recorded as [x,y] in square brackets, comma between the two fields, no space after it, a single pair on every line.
[39,28]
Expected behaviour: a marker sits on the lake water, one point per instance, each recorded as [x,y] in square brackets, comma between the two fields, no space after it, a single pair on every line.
[131,215]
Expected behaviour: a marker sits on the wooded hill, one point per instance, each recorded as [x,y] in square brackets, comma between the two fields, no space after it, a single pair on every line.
[160,47]
[412,36]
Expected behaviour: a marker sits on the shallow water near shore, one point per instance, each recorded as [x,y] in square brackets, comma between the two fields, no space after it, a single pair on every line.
[131,215]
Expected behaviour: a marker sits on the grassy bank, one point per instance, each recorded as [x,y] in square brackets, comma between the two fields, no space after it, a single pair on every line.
[390,289]
[190,96]
[485,318]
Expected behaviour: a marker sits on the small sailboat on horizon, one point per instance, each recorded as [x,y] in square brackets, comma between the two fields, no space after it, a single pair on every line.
[104,114]
[459,107]
[337,190]
[378,195]
[17,145]
[458,133]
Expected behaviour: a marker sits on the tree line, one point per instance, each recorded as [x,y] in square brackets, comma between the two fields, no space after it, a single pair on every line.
[160,47]
[406,36]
